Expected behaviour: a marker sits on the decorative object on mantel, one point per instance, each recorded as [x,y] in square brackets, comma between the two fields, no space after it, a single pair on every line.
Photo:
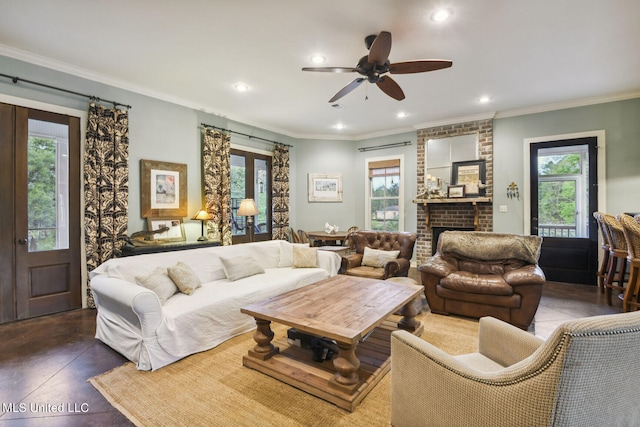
[331,229]
[512,191]
[202,216]
[433,188]
[471,173]
[248,208]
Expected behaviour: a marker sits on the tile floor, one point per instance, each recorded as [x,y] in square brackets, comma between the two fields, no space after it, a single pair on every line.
[47,360]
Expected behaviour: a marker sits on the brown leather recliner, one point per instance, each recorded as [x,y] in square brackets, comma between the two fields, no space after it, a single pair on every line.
[380,240]
[479,274]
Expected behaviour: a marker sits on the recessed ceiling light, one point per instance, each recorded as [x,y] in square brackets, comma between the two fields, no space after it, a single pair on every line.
[317,59]
[401,115]
[484,99]
[441,15]
[241,87]
[339,126]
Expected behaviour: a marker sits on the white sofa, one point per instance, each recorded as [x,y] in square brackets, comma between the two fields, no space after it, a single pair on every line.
[132,320]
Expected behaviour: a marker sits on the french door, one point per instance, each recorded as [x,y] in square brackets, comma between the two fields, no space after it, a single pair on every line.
[250,179]
[564,195]
[40,215]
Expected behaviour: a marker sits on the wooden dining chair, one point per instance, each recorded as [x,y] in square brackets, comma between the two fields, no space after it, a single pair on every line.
[293,236]
[606,246]
[348,241]
[617,268]
[631,230]
[304,237]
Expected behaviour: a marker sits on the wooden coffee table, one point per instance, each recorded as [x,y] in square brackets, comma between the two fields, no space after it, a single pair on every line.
[353,311]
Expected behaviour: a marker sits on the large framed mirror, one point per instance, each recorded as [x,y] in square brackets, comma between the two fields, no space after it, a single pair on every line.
[441,153]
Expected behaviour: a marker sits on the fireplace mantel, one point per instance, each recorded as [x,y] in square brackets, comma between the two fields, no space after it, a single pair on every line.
[463,200]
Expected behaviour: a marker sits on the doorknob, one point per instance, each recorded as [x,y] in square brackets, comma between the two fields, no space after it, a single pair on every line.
[23,241]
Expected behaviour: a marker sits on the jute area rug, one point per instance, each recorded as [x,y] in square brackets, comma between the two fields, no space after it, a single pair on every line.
[213,388]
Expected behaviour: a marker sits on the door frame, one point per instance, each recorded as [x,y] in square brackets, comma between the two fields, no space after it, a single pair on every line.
[602,182]
[82,114]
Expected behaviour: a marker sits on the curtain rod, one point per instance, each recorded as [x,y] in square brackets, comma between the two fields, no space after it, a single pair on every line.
[91,97]
[244,134]
[382,147]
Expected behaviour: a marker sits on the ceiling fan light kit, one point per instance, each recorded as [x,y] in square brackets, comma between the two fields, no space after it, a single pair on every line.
[374,66]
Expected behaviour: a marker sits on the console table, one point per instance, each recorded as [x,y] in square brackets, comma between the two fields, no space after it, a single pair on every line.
[130,250]
[473,200]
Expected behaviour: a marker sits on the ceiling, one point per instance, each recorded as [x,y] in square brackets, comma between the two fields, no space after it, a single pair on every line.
[526,56]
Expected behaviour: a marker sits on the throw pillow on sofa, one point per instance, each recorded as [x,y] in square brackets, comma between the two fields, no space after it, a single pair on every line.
[378,258]
[184,277]
[305,257]
[286,253]
[159,282]
[241,266]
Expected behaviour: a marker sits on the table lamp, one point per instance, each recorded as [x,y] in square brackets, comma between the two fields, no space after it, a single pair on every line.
[248,208]
[202,216]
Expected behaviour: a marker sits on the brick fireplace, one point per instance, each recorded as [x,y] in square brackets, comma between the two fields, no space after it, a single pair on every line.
[455,214]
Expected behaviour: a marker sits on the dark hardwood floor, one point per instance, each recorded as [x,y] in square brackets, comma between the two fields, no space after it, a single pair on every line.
[45,362]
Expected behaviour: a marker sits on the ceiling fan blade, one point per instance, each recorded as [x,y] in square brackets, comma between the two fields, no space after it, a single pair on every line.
[348,88]
[390,87]
[380,48]
[420,66]
[331,69]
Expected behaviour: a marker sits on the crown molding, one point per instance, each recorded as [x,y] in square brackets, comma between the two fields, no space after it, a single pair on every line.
[583,102]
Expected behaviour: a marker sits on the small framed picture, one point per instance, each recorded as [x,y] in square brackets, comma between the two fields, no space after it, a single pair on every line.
[455,191]
[173,229]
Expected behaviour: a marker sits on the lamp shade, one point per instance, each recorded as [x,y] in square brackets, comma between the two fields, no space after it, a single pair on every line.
[202,215]
[248,208]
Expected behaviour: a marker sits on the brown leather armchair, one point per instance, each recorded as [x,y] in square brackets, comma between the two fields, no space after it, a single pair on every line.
[384,241]
[479,274]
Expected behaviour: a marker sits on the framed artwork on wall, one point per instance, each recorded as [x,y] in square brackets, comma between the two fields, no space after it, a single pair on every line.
[174,229]
[163,189]
[325,187]
[471,174]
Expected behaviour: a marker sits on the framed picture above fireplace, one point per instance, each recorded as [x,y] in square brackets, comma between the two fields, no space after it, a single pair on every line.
[471,174]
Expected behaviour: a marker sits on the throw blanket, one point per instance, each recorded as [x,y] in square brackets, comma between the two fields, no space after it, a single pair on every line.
[490,246]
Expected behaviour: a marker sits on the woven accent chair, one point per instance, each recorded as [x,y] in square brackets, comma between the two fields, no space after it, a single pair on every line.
[606,247]
[578,377]
[631,230]
[617,269]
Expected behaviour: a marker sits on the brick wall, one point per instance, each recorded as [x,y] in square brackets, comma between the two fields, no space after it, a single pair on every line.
[454,215]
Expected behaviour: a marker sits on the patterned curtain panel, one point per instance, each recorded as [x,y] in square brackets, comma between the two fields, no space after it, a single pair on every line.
[280,197]
[106,185]
[216,164]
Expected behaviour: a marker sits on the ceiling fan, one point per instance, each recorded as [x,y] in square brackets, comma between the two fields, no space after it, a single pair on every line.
[376,63]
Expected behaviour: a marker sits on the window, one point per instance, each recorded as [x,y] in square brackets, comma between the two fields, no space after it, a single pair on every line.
[48,176]
[385,210]
[250,178]
[563,191]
